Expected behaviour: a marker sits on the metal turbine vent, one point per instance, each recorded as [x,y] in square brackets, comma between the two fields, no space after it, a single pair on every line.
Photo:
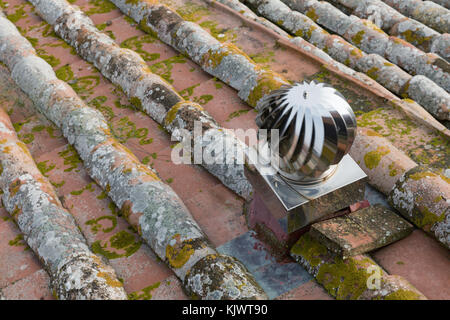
[316,129]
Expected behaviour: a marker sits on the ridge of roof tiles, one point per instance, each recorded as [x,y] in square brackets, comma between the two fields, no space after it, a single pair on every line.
[49,229]
[429,13]
[385,16]
[149,205]
[369,38]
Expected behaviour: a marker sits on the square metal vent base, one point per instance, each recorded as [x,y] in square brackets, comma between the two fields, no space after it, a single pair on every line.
[297,206]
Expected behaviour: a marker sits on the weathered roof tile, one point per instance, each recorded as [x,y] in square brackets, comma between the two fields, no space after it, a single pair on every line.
[361,231]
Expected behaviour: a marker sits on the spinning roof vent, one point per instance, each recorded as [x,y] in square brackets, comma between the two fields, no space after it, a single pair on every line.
[313,175]
[316,129]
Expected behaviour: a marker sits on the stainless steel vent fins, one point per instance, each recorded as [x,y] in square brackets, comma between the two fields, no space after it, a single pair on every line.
[316,129]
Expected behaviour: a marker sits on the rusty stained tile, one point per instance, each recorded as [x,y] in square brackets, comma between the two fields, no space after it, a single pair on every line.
[361,231]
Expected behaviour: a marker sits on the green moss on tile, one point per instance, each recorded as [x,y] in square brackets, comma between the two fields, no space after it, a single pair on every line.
[425,219]
[51,60]
[99,104]
[310,31]
[79,192]
[221,34]
[136,43]
[372,72]
[164,68]
[44,167]
[178,254]
[122,244]
[203,99]
[310,249]
[423,174]
[188,92]
[392,171]
[357,38]
[192,11]
[64,73]
[96,226]
[100,6]
[26,138]
[266,83]
[124,129]
[17,241]
[344,279]
[71,158]
[236,114]
[85,85]
[18,14]
[414,38]
[144,294]
[218,84]
[311,13]
[58,184]
[214,58]
[263,57]
[402,294]
[373,158]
